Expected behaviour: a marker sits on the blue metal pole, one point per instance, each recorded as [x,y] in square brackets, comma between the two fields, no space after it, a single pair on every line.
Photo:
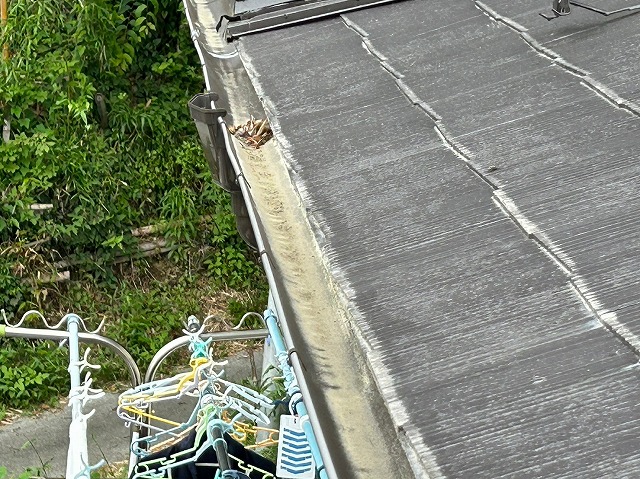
[291,384]
[78,454]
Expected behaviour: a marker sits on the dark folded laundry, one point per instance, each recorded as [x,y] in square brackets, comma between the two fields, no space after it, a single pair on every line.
[193,471]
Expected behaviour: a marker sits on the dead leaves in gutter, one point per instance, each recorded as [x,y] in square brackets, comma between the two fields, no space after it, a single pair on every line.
[254,133]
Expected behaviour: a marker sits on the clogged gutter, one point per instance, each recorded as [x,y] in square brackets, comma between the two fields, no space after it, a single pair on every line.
[253,133]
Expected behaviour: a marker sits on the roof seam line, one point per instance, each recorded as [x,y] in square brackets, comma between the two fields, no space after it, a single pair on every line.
[354,26]
[610,96]
[398,76]
[458,151]
[499,18]
[608,319]
[589,82]
[532,42]
[509,207]
[415,100]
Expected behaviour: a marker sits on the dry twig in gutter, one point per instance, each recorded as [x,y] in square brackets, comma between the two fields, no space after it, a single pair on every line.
[254,133]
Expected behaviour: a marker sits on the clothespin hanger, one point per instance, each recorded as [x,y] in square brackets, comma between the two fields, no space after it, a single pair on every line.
[193,329]
[84,362]
[58,325]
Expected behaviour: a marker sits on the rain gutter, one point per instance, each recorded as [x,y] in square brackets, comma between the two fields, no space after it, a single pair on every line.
[269,272]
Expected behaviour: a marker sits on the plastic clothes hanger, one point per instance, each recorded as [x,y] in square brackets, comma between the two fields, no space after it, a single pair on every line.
[225,401]
[160,467]
[134,404]
[165,438]
[216,395]
[210,407]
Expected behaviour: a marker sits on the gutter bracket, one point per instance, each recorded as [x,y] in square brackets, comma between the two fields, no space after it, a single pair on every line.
[205,115]
[213,137]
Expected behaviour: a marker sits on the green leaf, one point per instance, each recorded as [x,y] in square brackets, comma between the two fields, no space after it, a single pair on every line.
[138,11]
[113,242]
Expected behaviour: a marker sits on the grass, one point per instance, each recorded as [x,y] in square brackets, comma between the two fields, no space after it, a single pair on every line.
[27,474]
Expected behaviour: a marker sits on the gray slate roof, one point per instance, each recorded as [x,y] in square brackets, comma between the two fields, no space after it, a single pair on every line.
[473,171]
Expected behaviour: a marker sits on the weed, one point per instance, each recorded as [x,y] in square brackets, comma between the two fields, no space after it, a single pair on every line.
[26,474]
[145,167]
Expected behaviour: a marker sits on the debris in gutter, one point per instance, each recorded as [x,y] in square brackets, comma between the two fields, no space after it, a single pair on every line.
[254,133]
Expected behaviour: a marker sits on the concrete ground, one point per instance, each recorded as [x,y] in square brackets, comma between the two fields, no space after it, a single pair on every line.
[41,442]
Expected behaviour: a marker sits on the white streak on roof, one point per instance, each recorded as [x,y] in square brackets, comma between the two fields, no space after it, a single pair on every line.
[322,299]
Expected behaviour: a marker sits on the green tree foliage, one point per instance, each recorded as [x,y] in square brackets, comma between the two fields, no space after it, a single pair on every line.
[127,159]
[96,91]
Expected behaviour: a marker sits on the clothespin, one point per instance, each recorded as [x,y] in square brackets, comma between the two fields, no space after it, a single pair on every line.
[87,469]
[84,362]
[85,392]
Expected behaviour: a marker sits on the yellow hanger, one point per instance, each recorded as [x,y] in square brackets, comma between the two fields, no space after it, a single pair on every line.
[242,429]
[149,396]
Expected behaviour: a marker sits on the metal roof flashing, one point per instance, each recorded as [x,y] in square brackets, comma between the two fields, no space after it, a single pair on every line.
[248,8]
[253,16]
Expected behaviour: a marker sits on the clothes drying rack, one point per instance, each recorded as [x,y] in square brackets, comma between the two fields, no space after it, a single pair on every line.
[233,410]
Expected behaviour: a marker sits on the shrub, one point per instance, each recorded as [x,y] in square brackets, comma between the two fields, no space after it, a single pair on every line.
[96,92]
